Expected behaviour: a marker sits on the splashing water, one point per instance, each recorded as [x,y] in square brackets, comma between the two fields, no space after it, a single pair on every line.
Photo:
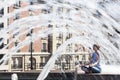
[14,77]
[98,20]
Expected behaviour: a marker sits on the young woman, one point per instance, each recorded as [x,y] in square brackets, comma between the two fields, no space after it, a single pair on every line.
[94,66]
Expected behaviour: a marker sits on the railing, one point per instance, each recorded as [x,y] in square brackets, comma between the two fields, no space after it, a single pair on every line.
[57,66]
[64,66]
[37,66]
[64,62]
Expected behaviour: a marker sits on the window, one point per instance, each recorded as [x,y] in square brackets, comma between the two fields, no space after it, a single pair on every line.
[58,44]
[1,25]
[43,61]
[1,12]
[1,56]
[68,36]
[41,1]
[69,48]
[30,33]
[60,1]
[7,43]
[8,9]
[16,44]
[15,34]
[97,14]
[83,48]
[44,47]
[17,5]
[17,16]
[50,43]
[50,9]
[44,11]
[1,45]
[33,1]
[60,36]
[8,22]
[68,11]
[50,26]
[60,10]
[17,63]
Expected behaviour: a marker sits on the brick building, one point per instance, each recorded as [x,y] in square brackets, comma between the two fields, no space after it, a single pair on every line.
[39,51]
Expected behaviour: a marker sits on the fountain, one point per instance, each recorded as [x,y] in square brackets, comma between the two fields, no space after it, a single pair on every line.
[95,21]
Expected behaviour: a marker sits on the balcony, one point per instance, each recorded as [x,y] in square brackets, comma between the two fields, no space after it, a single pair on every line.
[21,62]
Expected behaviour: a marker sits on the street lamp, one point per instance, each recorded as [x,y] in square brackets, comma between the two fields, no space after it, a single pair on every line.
[31,44]
[31,50]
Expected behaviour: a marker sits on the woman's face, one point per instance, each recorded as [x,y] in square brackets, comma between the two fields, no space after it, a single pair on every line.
[95,48]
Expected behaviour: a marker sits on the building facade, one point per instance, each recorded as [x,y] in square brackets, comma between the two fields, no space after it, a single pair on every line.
[34,56]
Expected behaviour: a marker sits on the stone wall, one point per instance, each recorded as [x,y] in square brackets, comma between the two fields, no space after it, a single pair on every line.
[60,76]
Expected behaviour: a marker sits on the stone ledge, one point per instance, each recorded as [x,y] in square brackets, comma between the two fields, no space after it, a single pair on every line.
[60,76]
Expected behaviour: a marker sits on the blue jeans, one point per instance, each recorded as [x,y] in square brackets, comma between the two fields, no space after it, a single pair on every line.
[91,69]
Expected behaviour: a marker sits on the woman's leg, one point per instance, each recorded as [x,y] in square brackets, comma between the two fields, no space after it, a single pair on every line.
[95,70]
[85,69]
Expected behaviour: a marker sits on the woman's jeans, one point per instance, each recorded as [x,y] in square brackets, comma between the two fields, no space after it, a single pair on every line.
[91,69]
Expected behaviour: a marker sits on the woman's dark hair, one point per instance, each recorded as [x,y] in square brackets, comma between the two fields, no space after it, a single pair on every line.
[97,46]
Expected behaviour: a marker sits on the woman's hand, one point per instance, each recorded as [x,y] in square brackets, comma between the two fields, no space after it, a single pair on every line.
[91,65]
[82,65]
